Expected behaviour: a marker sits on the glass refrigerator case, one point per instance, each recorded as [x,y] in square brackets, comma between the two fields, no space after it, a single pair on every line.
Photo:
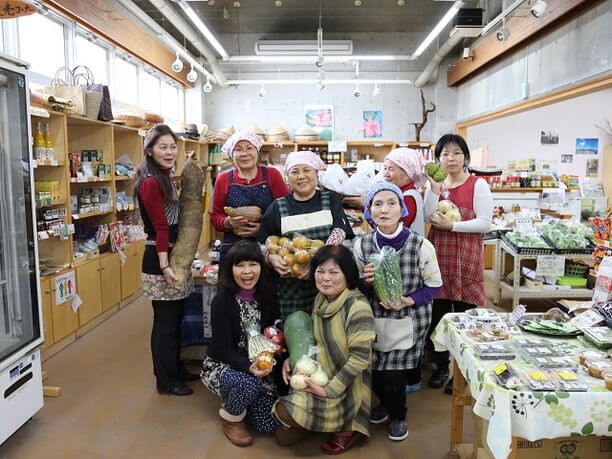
[20,312]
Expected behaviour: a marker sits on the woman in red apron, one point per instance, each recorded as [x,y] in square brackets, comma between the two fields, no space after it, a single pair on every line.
[458,244]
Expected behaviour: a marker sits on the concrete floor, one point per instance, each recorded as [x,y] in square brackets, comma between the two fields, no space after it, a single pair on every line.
[109,409]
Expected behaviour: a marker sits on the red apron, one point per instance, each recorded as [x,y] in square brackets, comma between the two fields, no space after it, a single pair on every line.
[460,255]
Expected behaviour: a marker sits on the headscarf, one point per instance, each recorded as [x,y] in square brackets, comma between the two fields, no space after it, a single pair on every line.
[377,188]
[251,137]
[305,157]
[411,162]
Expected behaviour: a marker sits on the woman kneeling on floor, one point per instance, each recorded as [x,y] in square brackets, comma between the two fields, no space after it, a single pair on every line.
[401,329]
[245,298]
[343,330]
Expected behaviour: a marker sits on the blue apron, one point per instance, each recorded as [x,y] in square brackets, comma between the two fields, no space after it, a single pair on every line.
[259,195]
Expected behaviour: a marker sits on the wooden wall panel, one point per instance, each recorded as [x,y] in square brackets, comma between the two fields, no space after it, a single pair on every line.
[104,20]
[524,29]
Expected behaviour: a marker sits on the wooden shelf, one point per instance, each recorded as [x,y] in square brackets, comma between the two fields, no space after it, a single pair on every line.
[90,214]
[527,190]
[123,178]
[91,180]
[59,202]
[47,163]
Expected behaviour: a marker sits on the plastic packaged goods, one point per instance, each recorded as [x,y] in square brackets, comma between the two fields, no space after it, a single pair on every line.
[607,376]
[536,379]
[555,362]
[530,342]
[588,355]
[597,367]
[507,376]
[494,351]
[567,380]
[546,350]
[387,276]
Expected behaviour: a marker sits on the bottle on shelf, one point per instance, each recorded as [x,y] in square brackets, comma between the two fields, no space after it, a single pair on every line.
[39,143]
[50,149]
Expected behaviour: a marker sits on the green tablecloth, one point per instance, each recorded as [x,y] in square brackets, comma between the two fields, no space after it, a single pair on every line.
[523,413]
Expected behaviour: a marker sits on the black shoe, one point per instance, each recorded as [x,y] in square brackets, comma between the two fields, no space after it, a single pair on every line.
[179,389]
[448,389]
[188,377]
[438,379]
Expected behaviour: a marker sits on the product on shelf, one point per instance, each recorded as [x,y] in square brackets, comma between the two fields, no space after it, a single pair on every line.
[566,235]
[531,240]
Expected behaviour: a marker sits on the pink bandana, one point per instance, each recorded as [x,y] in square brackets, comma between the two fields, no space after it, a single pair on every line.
[411,162]
[230,144]
[305,157]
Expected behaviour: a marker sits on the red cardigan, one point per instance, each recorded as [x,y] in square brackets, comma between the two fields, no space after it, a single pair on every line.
[410,205]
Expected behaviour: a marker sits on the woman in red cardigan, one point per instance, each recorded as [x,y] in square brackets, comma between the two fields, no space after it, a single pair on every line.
[246,184]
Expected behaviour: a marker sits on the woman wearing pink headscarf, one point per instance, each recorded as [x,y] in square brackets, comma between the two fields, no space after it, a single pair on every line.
[246,184]
[307,211]
[404,167]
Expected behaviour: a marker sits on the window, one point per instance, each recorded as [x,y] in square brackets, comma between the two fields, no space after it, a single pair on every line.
[41,43]
[125,87]
[151,92]
[94,56]
[170,102]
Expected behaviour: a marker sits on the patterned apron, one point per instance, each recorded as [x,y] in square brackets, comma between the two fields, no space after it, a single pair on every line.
[259,195]
[460,255]
[295,294]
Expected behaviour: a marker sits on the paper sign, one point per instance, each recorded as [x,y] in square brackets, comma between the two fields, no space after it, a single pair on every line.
[76,303]
[499,369]
[43,235]
[550,265]
[65,287]
[524,225]
[518,312]
[336,146]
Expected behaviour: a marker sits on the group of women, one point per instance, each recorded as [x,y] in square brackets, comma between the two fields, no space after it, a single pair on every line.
[364,345]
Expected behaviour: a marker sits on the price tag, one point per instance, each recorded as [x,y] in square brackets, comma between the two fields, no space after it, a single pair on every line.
[550,265]
[517,314]
[336,146]
[42,235]
[538,376]
[499,369]
[524,225]
[566,375]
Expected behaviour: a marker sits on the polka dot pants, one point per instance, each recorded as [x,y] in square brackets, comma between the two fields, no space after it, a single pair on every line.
[241,392]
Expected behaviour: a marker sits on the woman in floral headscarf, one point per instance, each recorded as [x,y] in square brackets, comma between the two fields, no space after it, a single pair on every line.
[309,212]
[246,184]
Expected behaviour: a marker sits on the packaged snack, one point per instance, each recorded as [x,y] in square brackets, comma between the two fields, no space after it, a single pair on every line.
[507,376]
[494,351]
[537,379]
[596,367]
[546,350]
[588,355]
[555,362]
[567,380]
[531,342]
[607,376]
[488,334]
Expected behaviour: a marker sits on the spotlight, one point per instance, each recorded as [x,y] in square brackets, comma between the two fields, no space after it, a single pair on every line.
[377,91]
[278,3]
[319,62]
[192,76]
[357,91]
[538,9]
[236,4]
[467,54]
[262,91]
[502,34]
[177,65]
[401,2]
[207,86]
[320,85]
[358,2]
[211,2]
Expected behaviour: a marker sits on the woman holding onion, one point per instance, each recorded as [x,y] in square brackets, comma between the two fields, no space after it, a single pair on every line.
[246,184]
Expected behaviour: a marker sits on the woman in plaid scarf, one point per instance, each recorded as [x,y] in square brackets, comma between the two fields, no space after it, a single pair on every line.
[401,329]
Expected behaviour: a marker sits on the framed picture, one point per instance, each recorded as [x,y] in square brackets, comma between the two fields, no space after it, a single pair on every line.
[567,158]
[372,124]
[592,167]
[321,119]
[549,138]
[587,146]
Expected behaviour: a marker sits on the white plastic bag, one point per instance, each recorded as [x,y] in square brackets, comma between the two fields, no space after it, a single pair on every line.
[362,180]
[333,178]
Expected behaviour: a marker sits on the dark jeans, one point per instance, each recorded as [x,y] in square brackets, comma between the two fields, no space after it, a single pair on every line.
[441,307]
[166,342]
[390,388]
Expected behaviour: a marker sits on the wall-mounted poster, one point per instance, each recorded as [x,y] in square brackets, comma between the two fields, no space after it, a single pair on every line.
[567,158]
[549,138]
[592,167]
[372,124]
[587,146]
[321,119]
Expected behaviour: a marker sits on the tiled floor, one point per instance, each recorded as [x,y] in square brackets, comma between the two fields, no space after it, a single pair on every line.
[109,409]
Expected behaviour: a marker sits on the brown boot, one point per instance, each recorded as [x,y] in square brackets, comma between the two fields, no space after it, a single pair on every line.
[235,428]
[287,432]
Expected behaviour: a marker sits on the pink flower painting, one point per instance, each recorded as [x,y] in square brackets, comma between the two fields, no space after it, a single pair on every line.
[372,124]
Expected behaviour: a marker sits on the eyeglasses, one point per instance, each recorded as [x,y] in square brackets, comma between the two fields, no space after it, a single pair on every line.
[454,155]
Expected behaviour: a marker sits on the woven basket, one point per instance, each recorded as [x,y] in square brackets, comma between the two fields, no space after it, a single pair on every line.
[576,269]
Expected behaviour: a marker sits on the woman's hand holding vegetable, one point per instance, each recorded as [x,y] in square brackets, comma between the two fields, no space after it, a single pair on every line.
[279,265]
[249,230]
[286,371]
[255,371]
[441,222]
[436,187]
[368,274]
[169,276]
[315,389]
[232,223]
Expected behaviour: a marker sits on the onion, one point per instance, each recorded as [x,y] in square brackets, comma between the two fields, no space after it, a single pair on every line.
[298,382]
[305,366]
[319,378]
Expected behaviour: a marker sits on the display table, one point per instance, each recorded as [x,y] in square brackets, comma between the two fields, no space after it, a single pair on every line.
[514,414]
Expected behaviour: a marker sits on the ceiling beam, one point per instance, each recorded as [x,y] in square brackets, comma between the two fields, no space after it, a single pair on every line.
[524,30]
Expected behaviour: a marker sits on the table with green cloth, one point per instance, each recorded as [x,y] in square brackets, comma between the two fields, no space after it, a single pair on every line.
[522,413]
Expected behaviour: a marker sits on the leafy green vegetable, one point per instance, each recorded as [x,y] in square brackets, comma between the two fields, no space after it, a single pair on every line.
[387,276]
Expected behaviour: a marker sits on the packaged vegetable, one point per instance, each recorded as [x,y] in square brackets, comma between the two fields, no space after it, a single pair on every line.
[387,276]
[449,210]
[260,349]
[296,252]
[298,336]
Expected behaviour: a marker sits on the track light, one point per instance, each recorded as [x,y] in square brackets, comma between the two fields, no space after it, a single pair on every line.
[377,90]
[278,3]
[357,91]
[211,2]
[401,2]
[320,85]
[358,2]
[262,91]
[192,76]
[538,9]
[177,65]
[502,34]
[207,86]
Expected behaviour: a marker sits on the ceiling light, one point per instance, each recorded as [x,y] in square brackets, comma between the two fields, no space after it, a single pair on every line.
[180,51]
[313,59]
[262,91]
[501,16]
[278,3]
[502,34]
[191,14]
[358,2]
[192,76]
[377,90]
[211,2]
[236,4]
[315,81]
[450,14]
[401,2]
[177,65]
[538,9]
[320,85]
[207,88]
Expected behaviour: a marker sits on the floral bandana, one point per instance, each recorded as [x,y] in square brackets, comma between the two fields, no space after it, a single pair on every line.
[411,162]
[305,157]
[377,188]
[251,137]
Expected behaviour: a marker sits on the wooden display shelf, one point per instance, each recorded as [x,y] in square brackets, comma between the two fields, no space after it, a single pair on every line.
[59,202]
[47,163]
[123,178]
[91,180]
[91,214]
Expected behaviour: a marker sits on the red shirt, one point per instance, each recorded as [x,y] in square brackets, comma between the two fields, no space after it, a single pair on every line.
[410,205]
[152,200]
[275,182]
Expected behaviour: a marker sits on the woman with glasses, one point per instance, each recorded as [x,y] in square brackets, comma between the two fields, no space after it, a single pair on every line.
[458,244]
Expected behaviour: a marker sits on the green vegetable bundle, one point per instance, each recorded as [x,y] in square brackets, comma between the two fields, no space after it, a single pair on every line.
[527,240]
[565,236]
[299,337]
[387,276]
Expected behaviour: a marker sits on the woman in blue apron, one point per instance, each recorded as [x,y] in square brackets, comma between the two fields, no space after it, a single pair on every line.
[308,212]
[246,184]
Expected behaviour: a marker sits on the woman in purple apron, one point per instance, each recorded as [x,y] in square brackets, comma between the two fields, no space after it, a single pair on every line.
[246,184]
